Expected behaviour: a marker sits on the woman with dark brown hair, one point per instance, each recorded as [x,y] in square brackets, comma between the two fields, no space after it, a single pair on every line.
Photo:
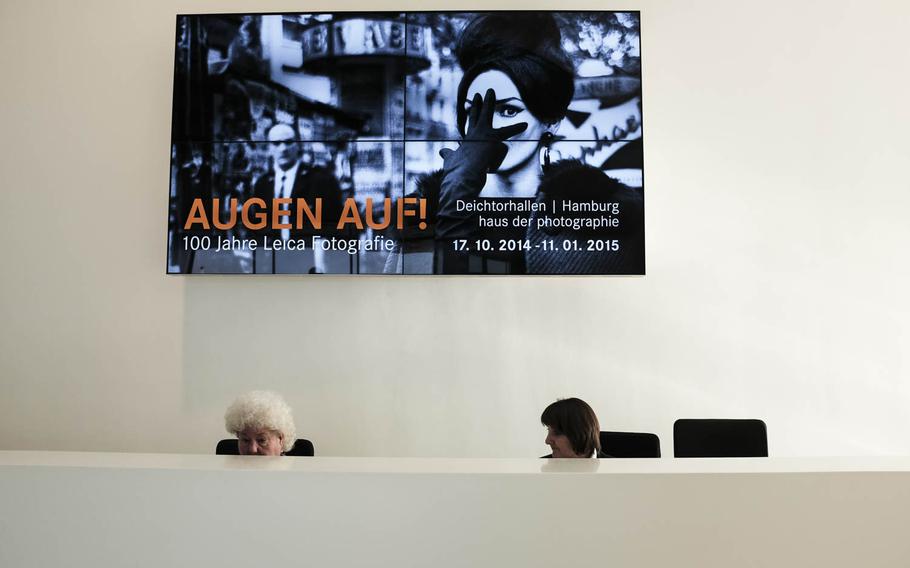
[572,429]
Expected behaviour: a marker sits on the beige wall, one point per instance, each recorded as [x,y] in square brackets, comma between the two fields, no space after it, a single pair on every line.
[777,205]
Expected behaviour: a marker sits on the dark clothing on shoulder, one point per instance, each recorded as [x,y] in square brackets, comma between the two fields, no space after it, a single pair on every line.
[309,184]
[600,454]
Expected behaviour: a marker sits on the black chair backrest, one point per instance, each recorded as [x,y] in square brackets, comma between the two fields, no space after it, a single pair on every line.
[630,444]
[301,448]
[720,438]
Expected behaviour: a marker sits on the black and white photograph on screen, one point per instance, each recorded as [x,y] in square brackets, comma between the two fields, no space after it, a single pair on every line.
[295,106]
[434,143]
[524,135]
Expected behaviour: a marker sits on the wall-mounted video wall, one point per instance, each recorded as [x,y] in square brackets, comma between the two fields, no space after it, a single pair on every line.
[407,143]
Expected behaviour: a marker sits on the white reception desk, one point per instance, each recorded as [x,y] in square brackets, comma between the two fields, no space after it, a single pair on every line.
[103,509]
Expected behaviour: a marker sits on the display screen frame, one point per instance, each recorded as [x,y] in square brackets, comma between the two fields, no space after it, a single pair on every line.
[428,257]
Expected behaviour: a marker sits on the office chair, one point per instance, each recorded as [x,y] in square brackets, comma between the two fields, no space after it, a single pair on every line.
[718,438]
[301,448]
[630,444]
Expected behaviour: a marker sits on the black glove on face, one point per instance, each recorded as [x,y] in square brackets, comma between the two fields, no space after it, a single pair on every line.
[482,148]
[465,169]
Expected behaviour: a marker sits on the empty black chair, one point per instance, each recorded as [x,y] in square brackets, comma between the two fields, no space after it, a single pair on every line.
[719,438]
[301,448]
[630,444]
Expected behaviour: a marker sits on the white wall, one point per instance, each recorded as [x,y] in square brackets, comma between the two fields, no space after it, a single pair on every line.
[777,199]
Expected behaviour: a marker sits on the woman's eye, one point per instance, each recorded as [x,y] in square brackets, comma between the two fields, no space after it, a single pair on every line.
[509,111]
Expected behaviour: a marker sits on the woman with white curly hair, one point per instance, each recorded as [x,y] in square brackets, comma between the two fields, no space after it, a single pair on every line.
[262,422]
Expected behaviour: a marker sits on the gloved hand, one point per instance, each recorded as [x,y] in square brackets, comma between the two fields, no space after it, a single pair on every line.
[465,169]
[482,149]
